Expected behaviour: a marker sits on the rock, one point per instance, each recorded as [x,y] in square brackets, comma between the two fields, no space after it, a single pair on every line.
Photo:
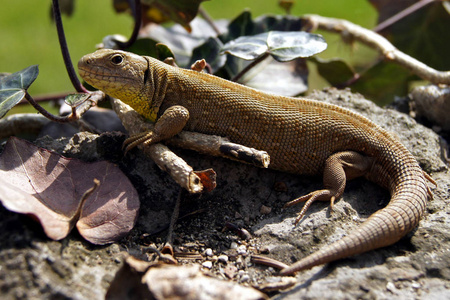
[207,264]
[418,266]
[223,258]
[208,252]
[433,103]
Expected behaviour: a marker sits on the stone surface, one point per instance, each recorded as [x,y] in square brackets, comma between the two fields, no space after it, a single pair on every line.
[417,267]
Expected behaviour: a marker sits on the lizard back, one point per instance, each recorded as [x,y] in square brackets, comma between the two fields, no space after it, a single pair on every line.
[299,134]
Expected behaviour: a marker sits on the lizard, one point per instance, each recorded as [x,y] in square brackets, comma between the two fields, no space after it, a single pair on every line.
[302,136]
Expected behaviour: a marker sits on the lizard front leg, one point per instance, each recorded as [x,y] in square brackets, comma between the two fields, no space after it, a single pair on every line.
[171,122]
[339,168]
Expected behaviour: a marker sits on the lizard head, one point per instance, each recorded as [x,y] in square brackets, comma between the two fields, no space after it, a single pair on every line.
[119,74]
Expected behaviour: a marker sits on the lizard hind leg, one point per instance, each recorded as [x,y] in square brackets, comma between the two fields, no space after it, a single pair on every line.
[339,168]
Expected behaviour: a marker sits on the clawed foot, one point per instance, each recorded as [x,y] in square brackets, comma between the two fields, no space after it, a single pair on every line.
[321,195]
[171,122]
[137,139]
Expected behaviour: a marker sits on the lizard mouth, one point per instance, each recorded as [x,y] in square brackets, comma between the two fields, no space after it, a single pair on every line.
[100,78]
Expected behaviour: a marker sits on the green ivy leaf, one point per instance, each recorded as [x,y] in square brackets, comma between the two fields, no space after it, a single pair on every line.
[74,100]
[287,46]
[283,46]
[240,26]
[21,79]
[210,51]
[383,82]
[335,71]
[13,88]
[247,47]
[144,46]
[8,99]
[163,51]
[182,44]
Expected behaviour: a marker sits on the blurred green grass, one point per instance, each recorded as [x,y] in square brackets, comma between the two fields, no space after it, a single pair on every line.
[29,37]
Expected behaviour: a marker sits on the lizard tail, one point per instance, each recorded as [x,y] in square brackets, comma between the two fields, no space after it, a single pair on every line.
[383,228]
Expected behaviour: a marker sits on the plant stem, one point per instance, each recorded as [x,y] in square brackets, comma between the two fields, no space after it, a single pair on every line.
[65,50]
[208,19]
[46,114]
[250,66]
[137,14]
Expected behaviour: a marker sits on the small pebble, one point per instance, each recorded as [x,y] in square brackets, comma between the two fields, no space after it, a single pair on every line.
[208,252]
[245,278]
[416,285]
[223,258]
[265,210]
[233,245]
[230,271]
[207,264]
[391,287]
[242,249]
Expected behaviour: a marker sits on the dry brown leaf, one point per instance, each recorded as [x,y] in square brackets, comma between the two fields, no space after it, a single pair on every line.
[208,178]
[50,187]
[174,282]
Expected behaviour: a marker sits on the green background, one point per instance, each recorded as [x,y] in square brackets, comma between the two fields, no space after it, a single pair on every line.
[28,36]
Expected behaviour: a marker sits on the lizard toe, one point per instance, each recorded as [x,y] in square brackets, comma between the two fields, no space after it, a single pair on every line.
[137,139]
[320,195]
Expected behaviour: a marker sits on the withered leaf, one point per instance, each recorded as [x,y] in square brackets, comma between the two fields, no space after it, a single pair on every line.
[188,282]
[162,281]
[49,187]
[208,178]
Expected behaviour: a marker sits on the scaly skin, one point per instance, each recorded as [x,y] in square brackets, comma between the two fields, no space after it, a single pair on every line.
[301,136]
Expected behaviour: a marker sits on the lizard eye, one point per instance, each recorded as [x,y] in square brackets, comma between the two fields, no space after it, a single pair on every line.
[117,59]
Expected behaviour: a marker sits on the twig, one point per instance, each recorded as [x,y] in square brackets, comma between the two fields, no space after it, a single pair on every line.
[181,172]
[175,214]
[219,146]
[378,42]
[402,14]
[169,259]
[267,261]
[65,50]
[94,98]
